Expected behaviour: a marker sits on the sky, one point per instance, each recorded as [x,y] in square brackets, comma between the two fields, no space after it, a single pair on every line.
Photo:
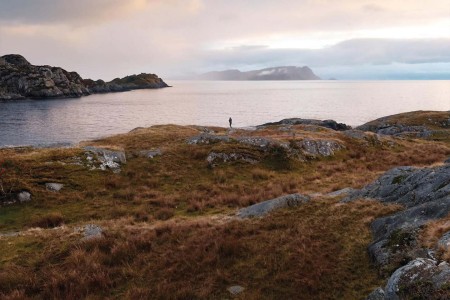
[345,39]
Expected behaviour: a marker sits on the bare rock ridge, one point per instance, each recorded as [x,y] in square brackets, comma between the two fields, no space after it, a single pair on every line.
[19,80]
[276,73]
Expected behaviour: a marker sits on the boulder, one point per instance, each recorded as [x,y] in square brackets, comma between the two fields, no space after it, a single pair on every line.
[262,208]
[107,159]
[24,196]
[90,232]
[419,279]
[54,187]
[317,148]
[235,290]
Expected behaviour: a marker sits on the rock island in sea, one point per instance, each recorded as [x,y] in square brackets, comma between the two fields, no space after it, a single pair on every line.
[19,80]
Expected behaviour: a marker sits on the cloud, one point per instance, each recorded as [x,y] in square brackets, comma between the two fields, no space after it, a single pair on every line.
[79,12]
[109,38]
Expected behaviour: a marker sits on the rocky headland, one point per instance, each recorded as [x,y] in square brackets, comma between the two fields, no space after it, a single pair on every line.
[19,80]
[299,208]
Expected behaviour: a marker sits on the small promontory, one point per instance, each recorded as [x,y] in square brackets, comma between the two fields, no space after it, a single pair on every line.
[19,79]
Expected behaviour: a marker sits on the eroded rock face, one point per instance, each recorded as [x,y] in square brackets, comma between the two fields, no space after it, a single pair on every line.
[19,79]
[263,208]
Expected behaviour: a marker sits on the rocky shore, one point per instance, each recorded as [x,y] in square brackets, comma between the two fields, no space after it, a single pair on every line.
[19,80]
[295,207]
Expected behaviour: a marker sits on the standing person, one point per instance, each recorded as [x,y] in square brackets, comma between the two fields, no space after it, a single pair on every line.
[230,121]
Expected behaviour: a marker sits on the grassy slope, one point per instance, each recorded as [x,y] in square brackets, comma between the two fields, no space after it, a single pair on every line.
[166,223]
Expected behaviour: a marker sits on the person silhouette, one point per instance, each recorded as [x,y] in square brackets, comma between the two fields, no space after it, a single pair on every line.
[230,121]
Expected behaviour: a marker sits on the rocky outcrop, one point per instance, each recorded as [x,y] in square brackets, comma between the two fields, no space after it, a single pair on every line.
[99,158]
[207,138]
[128,83]
[263,208]
[315,148]
[419,124]
[424,194]
[215,158]
[421,278]
[19,79]
[331,124]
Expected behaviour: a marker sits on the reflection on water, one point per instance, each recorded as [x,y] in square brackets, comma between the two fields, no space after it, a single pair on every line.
[47,122]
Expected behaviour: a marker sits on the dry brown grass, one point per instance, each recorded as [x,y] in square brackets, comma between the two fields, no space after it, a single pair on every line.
[431,234]
[150,250]
[314,251]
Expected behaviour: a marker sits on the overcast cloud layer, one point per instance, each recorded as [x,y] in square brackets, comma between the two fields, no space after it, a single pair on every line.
[352,39]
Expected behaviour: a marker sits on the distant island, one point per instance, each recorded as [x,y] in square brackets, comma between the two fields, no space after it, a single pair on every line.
[275,73]
[20,80]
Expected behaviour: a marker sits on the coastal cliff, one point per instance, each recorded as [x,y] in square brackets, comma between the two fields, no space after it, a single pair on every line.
[19,80]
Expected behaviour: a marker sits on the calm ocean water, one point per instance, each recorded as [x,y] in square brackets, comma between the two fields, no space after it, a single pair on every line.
[68,121]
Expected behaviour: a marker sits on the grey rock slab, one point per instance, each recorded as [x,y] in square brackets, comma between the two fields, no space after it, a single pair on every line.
[377,294]
[90,231]
[263,208]
[215,158]
[207,138]
[53,186]
[342,192]
[444,241]
[150,153]
[408,186]
[235,290]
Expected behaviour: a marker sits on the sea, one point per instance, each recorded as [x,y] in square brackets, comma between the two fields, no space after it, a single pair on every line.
[66,122]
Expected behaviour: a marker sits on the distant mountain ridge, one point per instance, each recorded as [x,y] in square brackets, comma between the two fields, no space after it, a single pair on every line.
[19,80]
[275,73]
